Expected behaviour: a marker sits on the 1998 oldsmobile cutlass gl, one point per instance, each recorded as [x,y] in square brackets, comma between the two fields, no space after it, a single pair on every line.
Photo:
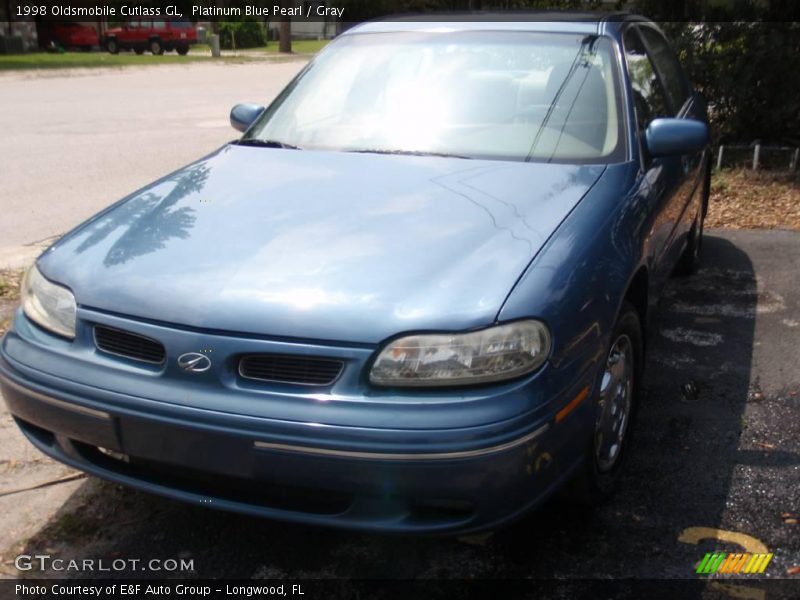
[412,297]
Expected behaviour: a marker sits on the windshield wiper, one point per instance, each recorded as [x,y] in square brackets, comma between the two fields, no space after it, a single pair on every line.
[587,47]
[255,142]
[408,153]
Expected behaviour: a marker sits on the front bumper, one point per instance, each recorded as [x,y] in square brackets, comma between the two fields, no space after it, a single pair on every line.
[459,479]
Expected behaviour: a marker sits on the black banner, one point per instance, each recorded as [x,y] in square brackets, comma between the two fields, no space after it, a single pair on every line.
[353,11]
[319,589]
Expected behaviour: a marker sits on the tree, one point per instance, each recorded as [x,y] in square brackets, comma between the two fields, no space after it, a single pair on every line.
[743,57]
[7,5]
[284,32]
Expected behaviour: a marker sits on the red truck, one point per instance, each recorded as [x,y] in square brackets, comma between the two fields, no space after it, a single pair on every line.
[153,35]
[68,35]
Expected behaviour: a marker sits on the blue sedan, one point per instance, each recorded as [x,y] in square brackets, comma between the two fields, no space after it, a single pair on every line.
[412,297]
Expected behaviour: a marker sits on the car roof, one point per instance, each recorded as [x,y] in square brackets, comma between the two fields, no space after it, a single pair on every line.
[533,21]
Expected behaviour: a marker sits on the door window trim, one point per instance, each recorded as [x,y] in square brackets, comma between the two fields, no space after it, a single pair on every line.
[681,110]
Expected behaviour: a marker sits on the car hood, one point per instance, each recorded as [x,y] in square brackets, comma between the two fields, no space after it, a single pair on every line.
[320,245]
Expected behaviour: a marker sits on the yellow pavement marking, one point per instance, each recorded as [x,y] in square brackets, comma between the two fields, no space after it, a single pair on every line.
[693,535]
[741,592]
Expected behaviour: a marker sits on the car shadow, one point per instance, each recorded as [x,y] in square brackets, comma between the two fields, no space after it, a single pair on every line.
[679,475]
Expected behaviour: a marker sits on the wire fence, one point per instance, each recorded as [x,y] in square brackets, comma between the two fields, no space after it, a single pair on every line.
[756,157]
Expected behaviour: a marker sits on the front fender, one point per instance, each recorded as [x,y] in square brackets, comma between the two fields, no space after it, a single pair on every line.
[577,282]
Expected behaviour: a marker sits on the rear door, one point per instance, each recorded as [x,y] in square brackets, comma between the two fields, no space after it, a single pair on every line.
[664,178]
[137,33]
[145,33]
[685,105]
[160,30]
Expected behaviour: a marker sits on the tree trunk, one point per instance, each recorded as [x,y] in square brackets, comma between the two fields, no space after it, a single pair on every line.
[215,22]
[8,16]
[285,35]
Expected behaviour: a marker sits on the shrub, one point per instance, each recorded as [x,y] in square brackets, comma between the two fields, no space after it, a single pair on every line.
[247,33]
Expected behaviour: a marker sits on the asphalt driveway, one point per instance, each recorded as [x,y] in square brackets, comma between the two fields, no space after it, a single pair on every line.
[715,466]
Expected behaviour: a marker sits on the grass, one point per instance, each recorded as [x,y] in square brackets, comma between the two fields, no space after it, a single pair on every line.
[89,60]
[298,47]
[72,60]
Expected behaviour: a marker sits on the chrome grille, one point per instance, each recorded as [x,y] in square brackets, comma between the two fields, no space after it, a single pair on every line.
[128,345]
[283,368]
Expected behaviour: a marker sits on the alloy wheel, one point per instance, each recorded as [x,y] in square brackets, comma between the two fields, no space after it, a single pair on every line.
[614,408]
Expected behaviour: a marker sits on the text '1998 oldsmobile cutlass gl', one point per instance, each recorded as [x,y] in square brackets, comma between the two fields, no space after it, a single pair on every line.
[412,297]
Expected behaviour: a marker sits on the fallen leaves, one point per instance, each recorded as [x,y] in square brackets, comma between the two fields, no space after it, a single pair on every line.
[744,199]
[9,294]
[765,445]
[9,283]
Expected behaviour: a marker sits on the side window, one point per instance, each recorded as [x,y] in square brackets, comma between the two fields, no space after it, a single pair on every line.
[649,99]
[668,66]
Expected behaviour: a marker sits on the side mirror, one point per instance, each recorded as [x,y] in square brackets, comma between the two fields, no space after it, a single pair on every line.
[243,115]
[665,137]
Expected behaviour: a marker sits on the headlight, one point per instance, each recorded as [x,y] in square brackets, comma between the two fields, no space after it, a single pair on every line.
[47,304]
[492,354]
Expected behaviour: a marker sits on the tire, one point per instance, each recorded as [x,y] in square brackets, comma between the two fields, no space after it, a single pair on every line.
[112,46]
[139,51]
[615,412]
[156,47]
[182,50]
[689,261]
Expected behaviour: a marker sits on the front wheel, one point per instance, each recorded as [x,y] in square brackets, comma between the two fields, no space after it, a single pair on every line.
[614,411]
[112,46]
[182,50]
[156,47]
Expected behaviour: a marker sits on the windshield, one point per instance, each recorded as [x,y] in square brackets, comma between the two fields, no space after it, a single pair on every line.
[491,95]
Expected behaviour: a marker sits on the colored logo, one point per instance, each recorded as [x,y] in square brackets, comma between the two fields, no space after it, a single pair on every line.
[741,563]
